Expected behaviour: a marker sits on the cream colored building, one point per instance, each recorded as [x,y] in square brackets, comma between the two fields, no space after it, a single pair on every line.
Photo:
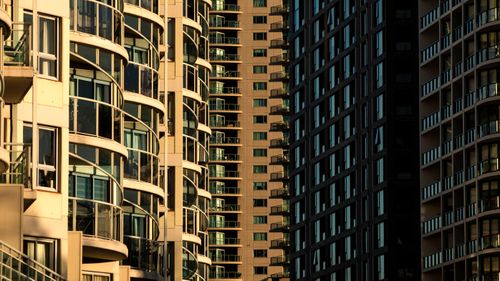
[88,148]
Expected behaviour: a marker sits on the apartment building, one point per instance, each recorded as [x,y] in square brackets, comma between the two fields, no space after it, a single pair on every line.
[248,108]
[353,140]
[459,139]
[87,146]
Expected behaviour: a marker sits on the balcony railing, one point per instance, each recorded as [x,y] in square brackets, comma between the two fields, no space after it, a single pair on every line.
[280,260]
[95,218]
[15,265]
[224,140]
[224,123]
[281,142]
[225,74]
[280,243]
[225,40]
[224,224]
[224,107]
[279,126]
[144,254]
[224,90]
[280,9]
[226,7]
[225,24]
[18,171]
[224,157]
[225,258]
[225,57]
[278,43]
[224,174]
[280,193]
[281,75]
[225,208]
[223,241]
[17,48]
[221,190]
[225,275]
[279,93]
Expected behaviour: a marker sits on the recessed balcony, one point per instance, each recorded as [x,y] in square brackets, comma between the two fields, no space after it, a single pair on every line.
[18,63]
[225,58]
[225,124]
[225,8]
[227,157]
[280,260]
[226,259]
[225,208]
[225,191]
[280,210]
[224,242]
[224,225]
[279,126]
[225,91]
[225,175]
[225,108]
[226,75]
[279,227]
[224,41]
[226,275]
[279,59]
[225,24]
[225,141]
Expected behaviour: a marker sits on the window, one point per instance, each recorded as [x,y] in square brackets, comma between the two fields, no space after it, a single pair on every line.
[260,119]
[259,135]
[42,250]
[259,236]
[379,75]
[259,19]
[259,102]
[378,12]
[380,267]
[259,3]
[379,139]
[87,276]
[259,86]
[48,47]
[260,202]
[260,52]
[379,107]
[379,171]
[380,235]
[259,219]
[47,154]
[260,186]
[259,169]
[380,202]
[259,152]
[259,36]
[260,270]
[260,253]
[258,69]
[379,43]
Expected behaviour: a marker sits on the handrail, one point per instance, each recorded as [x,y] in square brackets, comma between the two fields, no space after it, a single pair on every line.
[35,270]
[19,171]
[17,48]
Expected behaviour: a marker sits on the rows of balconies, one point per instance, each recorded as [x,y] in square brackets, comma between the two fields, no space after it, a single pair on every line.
[457,142]
[225,91]
[449,182]
[228,8]
[224,140]
[224,190]
[449,254]
[438,222]
[224,40]
[432,15]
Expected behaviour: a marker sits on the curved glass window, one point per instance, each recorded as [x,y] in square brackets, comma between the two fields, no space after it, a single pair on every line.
[98,18]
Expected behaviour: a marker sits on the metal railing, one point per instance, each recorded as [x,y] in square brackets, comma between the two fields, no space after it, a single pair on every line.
[18,171]
[17,48]
[15,265]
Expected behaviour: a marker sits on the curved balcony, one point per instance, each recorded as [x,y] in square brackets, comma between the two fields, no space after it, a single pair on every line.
[279,94]
[488,16]
[279,160]
[279,143]
[279,76]
[489,242]
[279,126]
[279,27]
[279,59]
[144,255]
[101,224]
[225,91]
[279,44]
[281,193]
[486,92]
[281,243]
[489,204]
[489,128]
[279,176]
[226,58]
[189,264]
[224,225]
[94,118]
[225,8]
[279,10]
[141,79]
[225,124]
[150,5]
[489,166]
[280,110]
[97,18]
[280,260]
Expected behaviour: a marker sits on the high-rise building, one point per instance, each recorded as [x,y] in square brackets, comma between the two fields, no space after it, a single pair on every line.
[87,143]
[459,130]
[248,149]
[187,72]
[354,140]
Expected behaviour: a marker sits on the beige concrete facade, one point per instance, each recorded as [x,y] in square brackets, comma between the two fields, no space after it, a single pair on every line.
[248,152]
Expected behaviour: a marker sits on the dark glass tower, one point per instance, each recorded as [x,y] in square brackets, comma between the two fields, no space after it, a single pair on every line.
[354,140]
